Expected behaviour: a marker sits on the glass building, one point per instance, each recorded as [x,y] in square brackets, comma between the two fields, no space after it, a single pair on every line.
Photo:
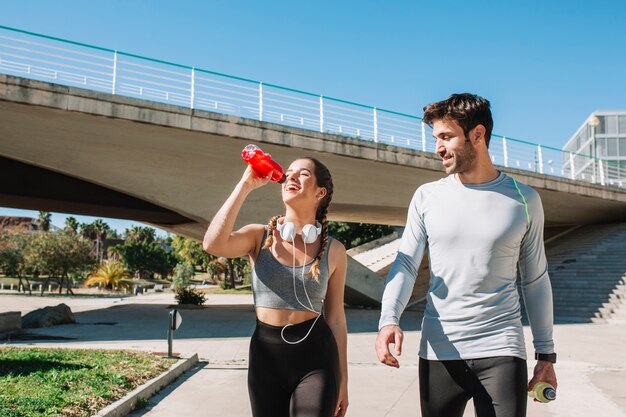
[597,151]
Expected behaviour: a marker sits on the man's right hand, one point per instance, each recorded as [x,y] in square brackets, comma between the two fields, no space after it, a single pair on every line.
[386,336]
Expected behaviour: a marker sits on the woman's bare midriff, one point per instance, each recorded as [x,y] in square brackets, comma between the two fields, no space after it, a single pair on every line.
[281,317]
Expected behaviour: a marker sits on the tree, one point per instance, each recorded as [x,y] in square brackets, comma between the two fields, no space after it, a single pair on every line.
[164,240]
[235,270]
[112,274]
[12,253]
[100,229]
[216,267]
[12,262]
[356,234]
[192,252]
[115,252]
[58,255]
[183,273]
[96,232]
[71,224]
[138,234]
[146,259]
[113,234]
[43,220]
[88,231]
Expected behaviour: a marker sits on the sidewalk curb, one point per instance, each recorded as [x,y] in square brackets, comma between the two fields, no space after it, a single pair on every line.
[127,404]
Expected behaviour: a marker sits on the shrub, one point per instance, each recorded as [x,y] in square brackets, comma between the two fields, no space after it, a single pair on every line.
[185,295]
[226,285]
[183,273]
[112,274]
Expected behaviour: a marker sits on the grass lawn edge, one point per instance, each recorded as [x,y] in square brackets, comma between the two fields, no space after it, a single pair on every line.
[126,404]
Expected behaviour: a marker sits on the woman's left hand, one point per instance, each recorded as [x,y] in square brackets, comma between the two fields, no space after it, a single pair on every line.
[342,402]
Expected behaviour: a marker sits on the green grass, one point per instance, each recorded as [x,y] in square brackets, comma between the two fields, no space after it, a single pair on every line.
[67,382]
[14,280]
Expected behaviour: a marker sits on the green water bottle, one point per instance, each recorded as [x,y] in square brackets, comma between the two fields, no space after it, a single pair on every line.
[543,392]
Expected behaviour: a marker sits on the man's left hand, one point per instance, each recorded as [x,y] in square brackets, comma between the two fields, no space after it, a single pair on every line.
[544,372]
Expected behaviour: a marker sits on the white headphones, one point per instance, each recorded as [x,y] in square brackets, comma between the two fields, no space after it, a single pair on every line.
[310,233]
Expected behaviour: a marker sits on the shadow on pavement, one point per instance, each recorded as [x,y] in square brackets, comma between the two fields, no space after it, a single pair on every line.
[149,322]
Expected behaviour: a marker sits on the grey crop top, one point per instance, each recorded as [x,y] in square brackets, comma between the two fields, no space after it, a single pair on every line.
[273,283]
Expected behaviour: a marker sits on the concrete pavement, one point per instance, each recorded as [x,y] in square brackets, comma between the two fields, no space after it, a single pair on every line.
[591,368]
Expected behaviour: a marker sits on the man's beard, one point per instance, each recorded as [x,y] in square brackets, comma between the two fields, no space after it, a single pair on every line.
[463,159]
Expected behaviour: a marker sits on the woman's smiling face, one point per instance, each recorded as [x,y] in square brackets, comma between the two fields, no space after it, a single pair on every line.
[301,183]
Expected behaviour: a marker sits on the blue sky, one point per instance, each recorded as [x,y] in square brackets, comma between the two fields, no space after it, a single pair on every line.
[544,65]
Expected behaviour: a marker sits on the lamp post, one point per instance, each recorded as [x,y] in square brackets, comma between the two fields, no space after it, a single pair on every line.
[593,122]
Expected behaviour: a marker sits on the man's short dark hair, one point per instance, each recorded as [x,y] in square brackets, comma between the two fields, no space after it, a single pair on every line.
[468,110]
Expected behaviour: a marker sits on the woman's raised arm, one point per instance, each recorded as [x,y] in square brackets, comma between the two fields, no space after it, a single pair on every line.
[219,239]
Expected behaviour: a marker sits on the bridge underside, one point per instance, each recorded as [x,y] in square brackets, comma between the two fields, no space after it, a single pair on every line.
[31,187]
[76,151]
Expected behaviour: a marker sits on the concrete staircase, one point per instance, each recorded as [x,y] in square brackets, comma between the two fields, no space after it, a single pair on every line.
[617,301]
[619,314]
[588,273]
[365,280]
[377,255]
[587,268]
[368,266]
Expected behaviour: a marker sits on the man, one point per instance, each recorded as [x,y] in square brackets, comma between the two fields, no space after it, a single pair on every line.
[482,228]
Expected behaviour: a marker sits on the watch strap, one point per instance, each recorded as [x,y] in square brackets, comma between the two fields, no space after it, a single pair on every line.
[548,357]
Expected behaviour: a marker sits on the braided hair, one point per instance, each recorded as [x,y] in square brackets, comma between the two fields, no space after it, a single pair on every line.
[271,226]
[325,180]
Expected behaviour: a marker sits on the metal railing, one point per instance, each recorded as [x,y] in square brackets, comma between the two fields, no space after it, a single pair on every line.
[72,63]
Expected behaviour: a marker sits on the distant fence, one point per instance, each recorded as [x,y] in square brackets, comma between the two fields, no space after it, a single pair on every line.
[67,62]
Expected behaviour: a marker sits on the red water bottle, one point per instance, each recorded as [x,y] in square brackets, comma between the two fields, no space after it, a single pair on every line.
[263,163]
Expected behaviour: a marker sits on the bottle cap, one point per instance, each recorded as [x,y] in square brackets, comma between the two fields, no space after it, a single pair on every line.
[549,393]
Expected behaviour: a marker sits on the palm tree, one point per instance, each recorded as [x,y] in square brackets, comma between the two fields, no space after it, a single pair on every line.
[88,231]
[115,252]
[137,234]
[43,220]
[71,224]
[112,274]
[101,229]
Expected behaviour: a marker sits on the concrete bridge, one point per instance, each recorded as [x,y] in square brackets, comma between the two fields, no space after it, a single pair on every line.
[78,151]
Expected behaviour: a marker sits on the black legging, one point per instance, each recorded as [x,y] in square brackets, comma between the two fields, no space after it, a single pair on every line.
[299,380]
[497,385]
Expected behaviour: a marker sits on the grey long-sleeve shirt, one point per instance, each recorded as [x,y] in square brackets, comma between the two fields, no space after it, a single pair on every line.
[478,236]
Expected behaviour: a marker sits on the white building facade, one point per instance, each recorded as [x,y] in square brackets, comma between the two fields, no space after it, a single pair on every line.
[597,151]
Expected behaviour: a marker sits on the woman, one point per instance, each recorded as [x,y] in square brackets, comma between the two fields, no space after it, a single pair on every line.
[298,365]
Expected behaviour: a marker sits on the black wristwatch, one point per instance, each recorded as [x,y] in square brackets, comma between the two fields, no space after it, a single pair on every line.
[548,357]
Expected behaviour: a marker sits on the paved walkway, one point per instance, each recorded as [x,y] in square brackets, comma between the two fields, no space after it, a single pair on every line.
[591,368]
